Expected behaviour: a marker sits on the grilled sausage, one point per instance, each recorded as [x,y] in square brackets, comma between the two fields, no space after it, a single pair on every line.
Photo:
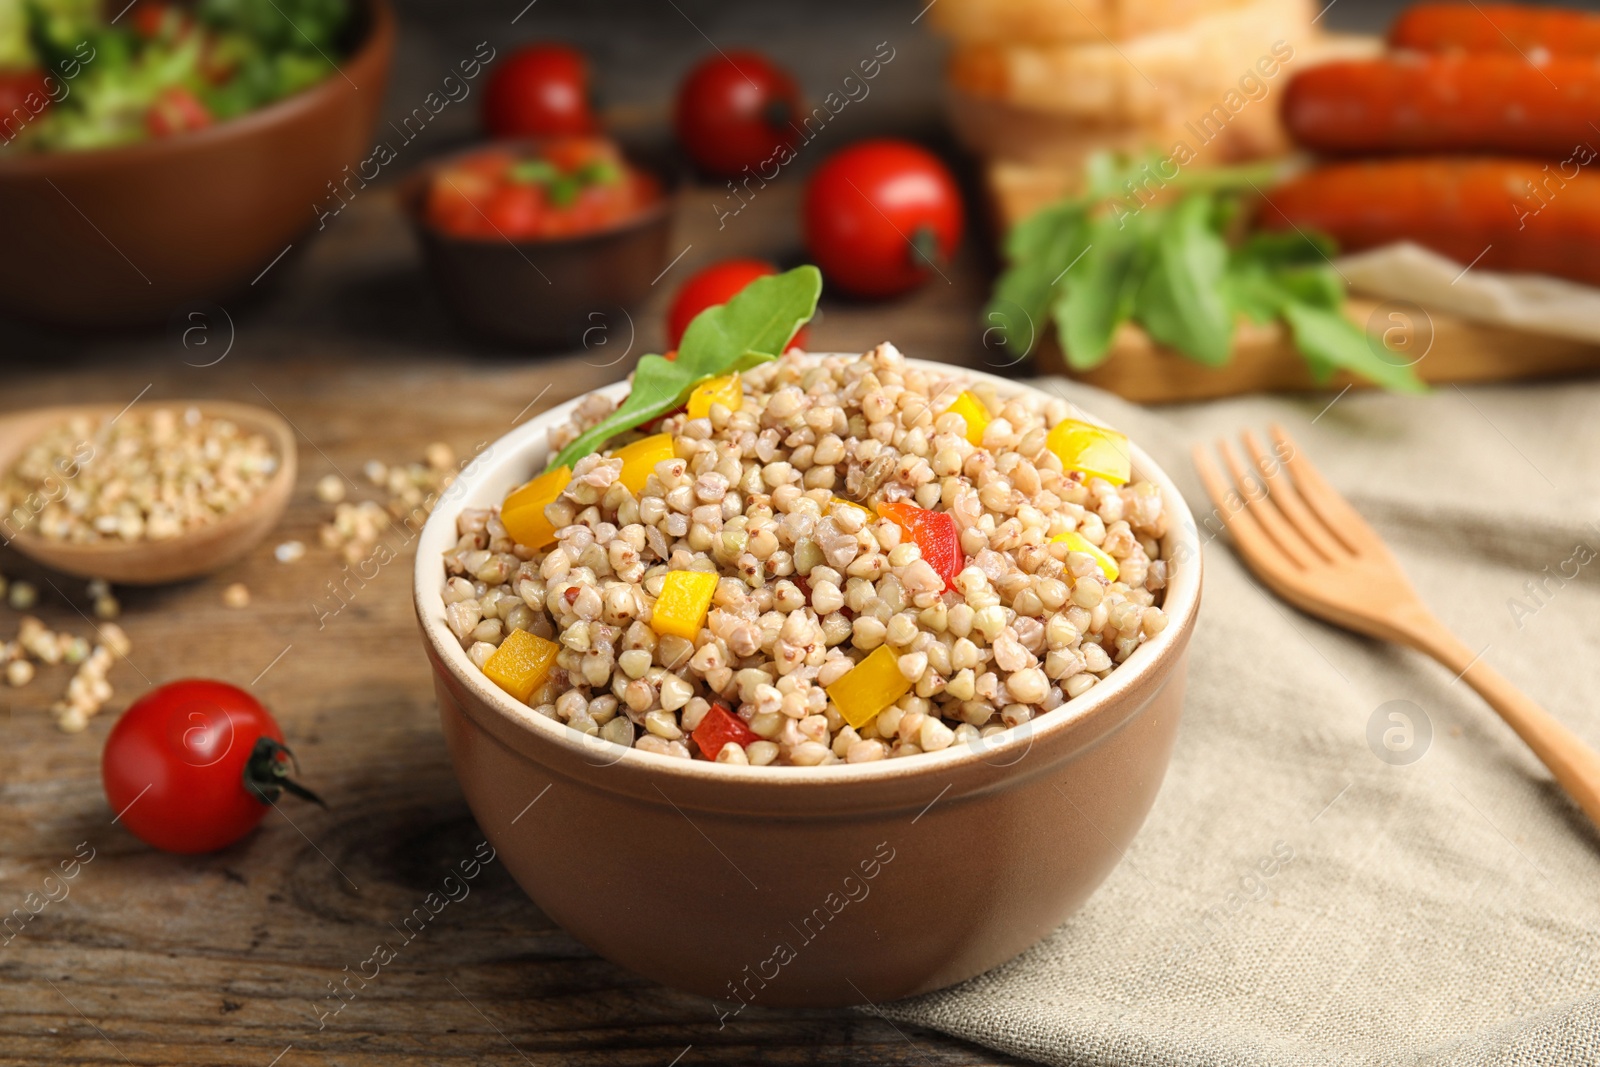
[1507,215]
[1532,32]
[1417,104]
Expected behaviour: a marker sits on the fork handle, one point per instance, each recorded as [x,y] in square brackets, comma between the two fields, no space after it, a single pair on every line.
[1574,764]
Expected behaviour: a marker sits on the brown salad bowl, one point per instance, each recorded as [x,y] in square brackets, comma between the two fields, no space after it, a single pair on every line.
[808,886]
[129,235]
[546,294]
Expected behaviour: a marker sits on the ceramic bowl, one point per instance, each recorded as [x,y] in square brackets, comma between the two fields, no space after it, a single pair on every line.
[567,293]
[130,235]
[807,886]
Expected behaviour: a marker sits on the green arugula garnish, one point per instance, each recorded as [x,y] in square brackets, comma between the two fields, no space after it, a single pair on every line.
[564,187]
[533,171]
[750,329]
[1091,263]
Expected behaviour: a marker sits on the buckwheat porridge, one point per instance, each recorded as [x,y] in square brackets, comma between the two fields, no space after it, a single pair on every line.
[823,559]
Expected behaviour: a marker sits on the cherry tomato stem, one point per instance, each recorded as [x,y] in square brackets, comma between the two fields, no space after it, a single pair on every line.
[266,774]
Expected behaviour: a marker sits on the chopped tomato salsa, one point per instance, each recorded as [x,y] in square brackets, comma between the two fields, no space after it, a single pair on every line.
[565,187]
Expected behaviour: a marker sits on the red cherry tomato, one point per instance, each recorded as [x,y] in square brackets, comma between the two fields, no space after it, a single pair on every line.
[514,209]
[176,110]
[22,93]
[735,111]
[714,285]
[539,91]
[190,767]
[879,215]
[156,18]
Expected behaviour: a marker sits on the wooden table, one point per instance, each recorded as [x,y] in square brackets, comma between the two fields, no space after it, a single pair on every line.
[223,959]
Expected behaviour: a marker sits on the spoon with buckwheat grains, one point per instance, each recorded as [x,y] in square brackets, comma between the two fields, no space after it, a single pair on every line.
[146,494]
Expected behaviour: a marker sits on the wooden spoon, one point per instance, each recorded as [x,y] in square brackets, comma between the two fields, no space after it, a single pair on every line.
[189,555]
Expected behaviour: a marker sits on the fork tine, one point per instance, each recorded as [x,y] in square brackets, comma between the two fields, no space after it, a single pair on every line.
[1254,545]
[1342,520]
[1254,494]
[1288,500]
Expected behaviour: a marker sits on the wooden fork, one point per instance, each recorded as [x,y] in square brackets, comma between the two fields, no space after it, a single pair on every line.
[1314,550]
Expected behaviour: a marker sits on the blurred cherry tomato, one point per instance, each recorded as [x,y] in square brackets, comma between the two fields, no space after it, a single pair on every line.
[514,209]
[156,18]
[192,766]
[176,110]
[880,215]
[539,91]
[714,285]
[735,111]
[21,91]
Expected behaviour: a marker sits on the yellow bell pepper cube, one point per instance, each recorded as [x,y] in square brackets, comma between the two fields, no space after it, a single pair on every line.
[869,687]
[969,407]
[522,514]
[840,502]
[1076,542]
[521,663]
[726,390]
[1094,450]
[640,458]
[681,608]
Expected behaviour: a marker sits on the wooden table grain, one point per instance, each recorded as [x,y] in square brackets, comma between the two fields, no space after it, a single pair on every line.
[229,958]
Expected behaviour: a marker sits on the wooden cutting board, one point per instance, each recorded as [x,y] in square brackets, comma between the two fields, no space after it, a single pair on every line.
[1443,348]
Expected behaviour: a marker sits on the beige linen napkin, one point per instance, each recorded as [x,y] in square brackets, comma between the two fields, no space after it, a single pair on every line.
[1535,303]
[1300,894]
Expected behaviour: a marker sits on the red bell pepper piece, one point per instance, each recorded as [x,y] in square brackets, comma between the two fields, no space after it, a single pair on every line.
[935,535]
[718,728]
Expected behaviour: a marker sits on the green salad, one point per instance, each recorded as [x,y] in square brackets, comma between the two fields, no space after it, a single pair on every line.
[84,74]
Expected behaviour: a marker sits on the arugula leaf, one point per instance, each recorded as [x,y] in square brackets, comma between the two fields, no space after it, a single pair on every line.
[1036,235]
[750,329]
[1330,341]
[1287,249]
[1021,302]
[1251,291]
[1167,266]
[761,318]
[1298,263]
[1102,176]
[1319,285]
[1100,288]
[1181,301]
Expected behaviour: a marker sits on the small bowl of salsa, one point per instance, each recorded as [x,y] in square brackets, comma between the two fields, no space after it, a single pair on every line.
[538,243]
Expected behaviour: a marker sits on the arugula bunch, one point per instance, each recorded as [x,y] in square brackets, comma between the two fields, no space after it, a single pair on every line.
[1091,263]
[752,328]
